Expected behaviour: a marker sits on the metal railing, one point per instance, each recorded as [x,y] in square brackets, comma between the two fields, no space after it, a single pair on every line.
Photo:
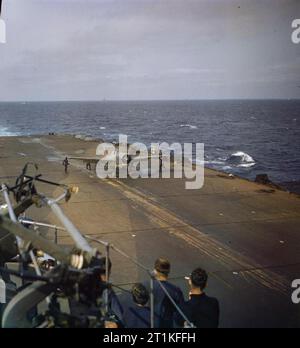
[152,279]
[82,242]
[108,247]
[42,224]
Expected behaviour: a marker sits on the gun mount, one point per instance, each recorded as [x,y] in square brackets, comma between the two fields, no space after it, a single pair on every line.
[75,272]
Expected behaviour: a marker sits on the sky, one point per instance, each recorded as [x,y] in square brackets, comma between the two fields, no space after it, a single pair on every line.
[149,49]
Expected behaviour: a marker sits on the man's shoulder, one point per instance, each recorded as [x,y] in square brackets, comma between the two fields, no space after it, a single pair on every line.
[204,299]
[171,285]
[213,301]
[177,292]
[139,310]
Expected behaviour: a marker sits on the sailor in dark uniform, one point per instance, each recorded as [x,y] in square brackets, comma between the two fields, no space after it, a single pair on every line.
[66,163]
[112,310]
[163,307]
[160,156]
[114,305]
[138,314]
[88,166]
[201,310]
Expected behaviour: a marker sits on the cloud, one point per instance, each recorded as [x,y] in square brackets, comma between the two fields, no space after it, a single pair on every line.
[131,49]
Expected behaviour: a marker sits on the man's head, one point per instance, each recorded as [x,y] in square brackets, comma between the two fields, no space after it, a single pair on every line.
[162,267]
[100,267]
[140,294]
[198,279]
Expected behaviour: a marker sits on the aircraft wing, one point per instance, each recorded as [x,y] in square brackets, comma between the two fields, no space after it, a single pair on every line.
[109,158]
[142,158]
[86,159]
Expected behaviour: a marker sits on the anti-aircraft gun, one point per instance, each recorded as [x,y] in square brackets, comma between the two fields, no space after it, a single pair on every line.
[73,274]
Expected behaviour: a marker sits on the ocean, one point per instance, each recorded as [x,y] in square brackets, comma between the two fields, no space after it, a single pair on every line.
[243,137]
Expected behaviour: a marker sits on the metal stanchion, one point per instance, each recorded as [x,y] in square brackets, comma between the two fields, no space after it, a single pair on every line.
[107,252]
[107,277]
[152,301]
[14,219]
[11,213]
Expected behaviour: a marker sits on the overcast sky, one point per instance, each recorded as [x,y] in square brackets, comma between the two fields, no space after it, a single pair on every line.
[149,49]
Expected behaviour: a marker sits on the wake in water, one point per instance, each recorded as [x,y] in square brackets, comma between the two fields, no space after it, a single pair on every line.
[237,160]
[241,159]
[188,126]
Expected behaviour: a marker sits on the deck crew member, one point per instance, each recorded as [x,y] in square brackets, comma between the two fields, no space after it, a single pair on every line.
[160,161]
[88,166]
[163,307]
[114,306]
[66,163]
[138,314]
[201,310]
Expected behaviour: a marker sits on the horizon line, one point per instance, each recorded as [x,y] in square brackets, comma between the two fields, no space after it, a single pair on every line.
[136,100]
